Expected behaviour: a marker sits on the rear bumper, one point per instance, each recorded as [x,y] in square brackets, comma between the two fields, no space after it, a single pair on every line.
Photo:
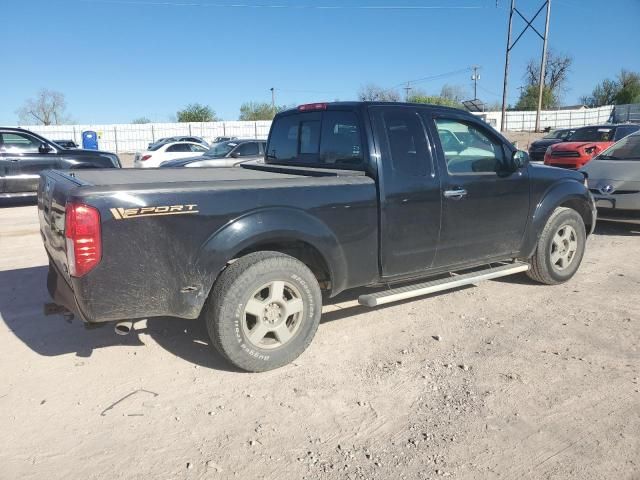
[61,292]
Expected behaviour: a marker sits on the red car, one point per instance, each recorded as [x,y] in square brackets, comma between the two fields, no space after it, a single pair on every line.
[586,143]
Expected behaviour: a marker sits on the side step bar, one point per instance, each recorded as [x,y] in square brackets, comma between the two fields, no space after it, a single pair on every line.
[419,289]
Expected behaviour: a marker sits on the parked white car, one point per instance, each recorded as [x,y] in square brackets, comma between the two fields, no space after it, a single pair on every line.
[157,154]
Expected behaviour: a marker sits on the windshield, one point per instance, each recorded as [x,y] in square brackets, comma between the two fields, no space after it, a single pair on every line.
[593,134]
[220,150]
[556,134]
[626,149]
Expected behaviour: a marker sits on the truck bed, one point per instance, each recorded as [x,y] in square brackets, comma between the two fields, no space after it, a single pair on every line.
[135,176]
[156,262]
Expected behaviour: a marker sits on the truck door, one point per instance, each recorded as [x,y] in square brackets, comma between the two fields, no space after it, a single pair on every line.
[24,159]
[485,202]
[410,198]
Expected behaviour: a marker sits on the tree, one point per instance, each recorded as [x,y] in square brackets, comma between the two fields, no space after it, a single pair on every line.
[140,120]
[374,93]
[455,93]
[435,100]
[556,72]
[259,111]
[529,98]
[629,88]
[195,112]
[624,89]
[47,108]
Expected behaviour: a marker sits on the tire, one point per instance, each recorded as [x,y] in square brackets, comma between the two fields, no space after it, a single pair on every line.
[286,299]
[560,248]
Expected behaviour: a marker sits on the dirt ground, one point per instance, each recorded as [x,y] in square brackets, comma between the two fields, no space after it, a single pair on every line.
[506,380]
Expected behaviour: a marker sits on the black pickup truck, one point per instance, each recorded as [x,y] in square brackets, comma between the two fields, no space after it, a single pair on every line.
[350,195]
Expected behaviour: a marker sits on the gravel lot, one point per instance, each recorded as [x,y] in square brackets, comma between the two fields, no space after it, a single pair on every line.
[505,380]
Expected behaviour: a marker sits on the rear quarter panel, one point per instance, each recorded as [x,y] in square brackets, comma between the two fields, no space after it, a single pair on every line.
[166,264]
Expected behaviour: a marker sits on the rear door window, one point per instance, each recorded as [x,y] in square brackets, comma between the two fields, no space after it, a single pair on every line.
[249,149]
[179,147]
[407,142]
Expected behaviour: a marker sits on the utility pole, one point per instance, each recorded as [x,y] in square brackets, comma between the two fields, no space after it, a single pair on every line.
[475,77]
[407,89]
[503,118]
[543,65]
[273,98]
[510,46]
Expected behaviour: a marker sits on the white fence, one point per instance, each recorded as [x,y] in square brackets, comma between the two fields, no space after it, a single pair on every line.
[526,121]
[131,138]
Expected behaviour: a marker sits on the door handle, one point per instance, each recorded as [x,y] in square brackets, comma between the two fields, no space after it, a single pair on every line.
[13,159]
[455,194]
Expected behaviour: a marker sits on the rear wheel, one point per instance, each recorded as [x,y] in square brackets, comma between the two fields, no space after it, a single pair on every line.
[560,248]
[263,311]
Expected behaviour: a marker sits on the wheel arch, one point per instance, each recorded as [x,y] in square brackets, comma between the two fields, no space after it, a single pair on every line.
[285,230]
[569,194]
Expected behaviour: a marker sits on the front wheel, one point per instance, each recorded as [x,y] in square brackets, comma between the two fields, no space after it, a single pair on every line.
[560,248]
[263,311]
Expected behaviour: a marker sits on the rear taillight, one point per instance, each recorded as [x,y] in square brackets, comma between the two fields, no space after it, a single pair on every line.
[146,157]
[312,106]
[83,238]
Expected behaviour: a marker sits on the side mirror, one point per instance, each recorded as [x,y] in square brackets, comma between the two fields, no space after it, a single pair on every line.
[44,148]
[520,158]
[235,155]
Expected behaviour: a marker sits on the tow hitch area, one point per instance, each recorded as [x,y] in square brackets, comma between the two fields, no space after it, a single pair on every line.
[55,309]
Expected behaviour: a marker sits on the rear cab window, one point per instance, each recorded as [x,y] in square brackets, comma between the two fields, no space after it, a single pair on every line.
[324,139]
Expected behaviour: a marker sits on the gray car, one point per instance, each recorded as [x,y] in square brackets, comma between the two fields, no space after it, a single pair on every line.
[614,180]
[224,154]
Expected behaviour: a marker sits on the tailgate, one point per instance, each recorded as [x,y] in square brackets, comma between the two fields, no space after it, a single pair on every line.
[53,191]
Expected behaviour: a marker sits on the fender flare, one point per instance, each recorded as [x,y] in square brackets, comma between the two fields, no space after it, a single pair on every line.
[270,225]
[565,193]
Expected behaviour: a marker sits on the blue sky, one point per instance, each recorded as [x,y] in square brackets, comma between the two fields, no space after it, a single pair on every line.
[116,60]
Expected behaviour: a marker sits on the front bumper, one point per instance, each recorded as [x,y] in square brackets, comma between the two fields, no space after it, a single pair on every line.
[618,208]
[536,155]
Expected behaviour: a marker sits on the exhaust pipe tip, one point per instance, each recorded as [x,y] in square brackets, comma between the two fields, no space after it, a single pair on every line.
[123,328]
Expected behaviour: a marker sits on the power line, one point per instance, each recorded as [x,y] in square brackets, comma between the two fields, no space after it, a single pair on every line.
[432,77]
[283,6]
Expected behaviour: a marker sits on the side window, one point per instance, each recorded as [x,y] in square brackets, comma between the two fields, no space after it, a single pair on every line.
[468,149]
[198,148]
[249,149]
[179,147]
[18,143]
[407,142]
[283,142]
[341,141]
[622,132]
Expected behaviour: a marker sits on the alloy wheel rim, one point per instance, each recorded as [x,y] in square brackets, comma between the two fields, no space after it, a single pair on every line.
[272,315]
[564,246]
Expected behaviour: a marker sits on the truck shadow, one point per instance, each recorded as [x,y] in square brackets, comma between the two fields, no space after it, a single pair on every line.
[18,202]
[22,296]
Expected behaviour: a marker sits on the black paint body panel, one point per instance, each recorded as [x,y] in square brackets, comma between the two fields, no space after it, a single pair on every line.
[369,227]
